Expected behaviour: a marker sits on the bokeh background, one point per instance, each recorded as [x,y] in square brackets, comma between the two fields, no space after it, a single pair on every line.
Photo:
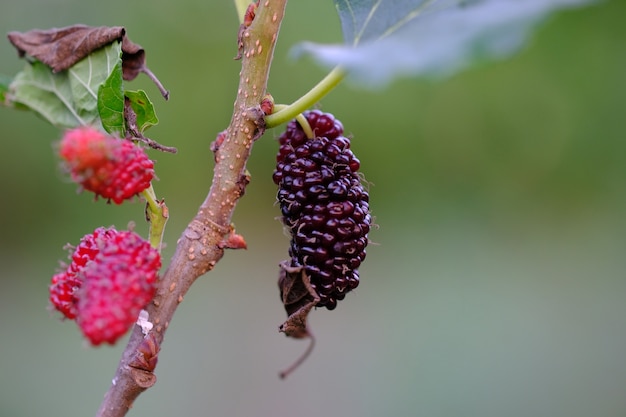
[496,281]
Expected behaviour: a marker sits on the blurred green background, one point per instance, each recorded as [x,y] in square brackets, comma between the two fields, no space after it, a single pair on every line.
[496,283]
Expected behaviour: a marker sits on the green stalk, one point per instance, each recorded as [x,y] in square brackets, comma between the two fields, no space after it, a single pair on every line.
[156,213]
[304,123]
[325,86]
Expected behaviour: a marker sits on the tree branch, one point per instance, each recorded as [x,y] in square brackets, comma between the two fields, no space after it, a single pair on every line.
[202,243]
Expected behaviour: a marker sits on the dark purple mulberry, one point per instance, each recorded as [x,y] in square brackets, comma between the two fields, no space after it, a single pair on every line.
[324,205]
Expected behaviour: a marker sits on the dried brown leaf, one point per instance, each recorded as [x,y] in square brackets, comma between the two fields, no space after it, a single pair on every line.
[61,48]
[298,298]
[133,59]
[64,47]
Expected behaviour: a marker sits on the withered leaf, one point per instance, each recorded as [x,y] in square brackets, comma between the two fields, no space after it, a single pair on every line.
[298,298]
[133,59]
[134,62]
[61,48]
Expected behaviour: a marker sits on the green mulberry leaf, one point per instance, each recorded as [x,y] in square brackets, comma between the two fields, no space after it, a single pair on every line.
[143,108]
[111,102]
[388,38]
[67,98]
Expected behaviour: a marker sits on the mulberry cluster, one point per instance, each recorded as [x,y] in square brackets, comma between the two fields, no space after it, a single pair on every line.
[112,277]
[324,205]
[111,168]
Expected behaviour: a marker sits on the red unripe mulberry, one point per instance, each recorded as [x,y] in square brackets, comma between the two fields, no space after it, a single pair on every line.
[112,277]
[115,169]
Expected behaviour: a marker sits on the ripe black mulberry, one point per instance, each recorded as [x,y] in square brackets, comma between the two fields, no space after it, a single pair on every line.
[324,205]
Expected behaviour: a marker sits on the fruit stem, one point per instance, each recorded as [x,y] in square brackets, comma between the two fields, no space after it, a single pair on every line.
[300,360]
[315,94]
[157,215]
[304,123]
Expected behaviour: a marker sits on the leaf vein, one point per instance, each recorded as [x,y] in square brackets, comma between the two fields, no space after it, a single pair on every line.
[82,82]
[367,21]
[60,96]
[339,4]
[408,17]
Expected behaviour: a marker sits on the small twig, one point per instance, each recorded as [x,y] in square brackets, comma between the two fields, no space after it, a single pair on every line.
[135,134]
[155,145]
